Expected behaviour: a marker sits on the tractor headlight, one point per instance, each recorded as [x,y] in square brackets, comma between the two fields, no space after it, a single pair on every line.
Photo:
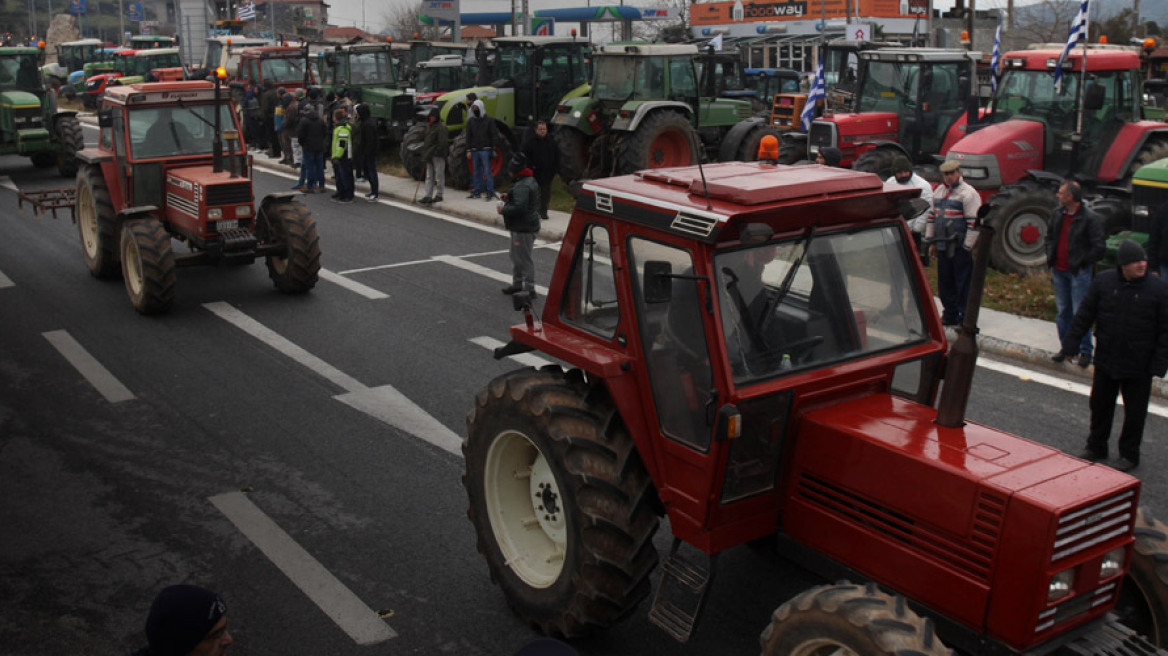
[1061,585]
[243,210]
[1112,563]
[975,173]
[215,213]
[1140,211]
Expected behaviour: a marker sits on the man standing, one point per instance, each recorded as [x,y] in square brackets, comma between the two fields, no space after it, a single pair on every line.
[1073,246]
[435,148]
[951,233]
[367,142]
[903,175]
[480,141]
[521,217]
[312,136]
[1129,310]
[288,133]
[342,156]
[544,157]
[269,100]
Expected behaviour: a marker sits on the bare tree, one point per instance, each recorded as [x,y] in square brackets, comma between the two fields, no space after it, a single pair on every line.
[402,22]
[1048,21]
[660,30]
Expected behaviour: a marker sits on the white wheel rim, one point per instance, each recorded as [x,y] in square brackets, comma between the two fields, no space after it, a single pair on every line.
[526,510]
[133,267]
[822,647]
[88,222]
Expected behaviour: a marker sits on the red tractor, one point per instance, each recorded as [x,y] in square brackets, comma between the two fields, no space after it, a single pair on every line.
[159,173]
[1037,137]
[755,353]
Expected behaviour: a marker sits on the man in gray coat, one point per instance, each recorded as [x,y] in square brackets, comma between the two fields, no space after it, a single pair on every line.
[435,148]
[520,212]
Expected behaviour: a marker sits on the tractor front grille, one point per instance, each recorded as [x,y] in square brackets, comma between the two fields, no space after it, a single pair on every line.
[822,134]
[234,193]
[28,118]
[1093,525]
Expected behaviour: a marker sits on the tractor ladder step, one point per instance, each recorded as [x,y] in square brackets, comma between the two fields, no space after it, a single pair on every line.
[681,594]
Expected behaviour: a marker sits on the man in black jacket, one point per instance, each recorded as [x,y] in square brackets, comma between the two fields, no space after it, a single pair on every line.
[1073,246]
[1129,310]
[520,211]
[544,157]
[368,140]
[480,142]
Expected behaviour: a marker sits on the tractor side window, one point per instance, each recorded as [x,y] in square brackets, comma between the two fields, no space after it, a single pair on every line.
[590,299]
[117,131]
[681,79]
[674,341]
[650,78]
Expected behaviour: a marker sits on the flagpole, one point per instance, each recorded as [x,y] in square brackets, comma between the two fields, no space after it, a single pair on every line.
[1083,74]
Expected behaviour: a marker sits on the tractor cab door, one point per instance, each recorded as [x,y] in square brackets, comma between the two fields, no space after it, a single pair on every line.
[940,103]
[559,69]
[114,138]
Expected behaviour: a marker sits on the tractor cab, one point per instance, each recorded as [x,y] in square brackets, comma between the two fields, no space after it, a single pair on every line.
[539,71]
[283,66]
[442,74]
[20,72]
[368,74]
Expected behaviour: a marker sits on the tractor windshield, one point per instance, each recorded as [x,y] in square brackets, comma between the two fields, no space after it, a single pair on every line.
[445,78]
[170,130]
[19,72]
[513,63]
[629,78]
[1031,94]
[370,67]
[283,70]
[805,303]
[211,58]
[899,86]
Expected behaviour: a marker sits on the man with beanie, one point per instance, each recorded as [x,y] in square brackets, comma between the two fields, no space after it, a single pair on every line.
[903,175]
[186,620]
[829,156]
[951,232]
[1074,244]
[435,148]
[1129,310]
[520,212]
[543,155]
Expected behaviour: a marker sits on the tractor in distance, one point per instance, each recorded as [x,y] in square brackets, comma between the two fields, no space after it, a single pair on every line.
[533,75]
[914,102]
[441,75]
[131,66]
[71,59]
[419,51]
[367,73]
[753,352]
[30,123]
[1036,137]
[223,52]
[159,174]
[283,66]
[645,111]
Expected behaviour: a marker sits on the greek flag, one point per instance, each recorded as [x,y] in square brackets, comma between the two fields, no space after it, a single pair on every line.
[995,59]
[817,94]
[246,11]
[1078,31]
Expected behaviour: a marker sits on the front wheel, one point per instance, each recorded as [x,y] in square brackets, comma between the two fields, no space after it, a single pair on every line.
[288,222]
[665,139]
[1020,215]
[72,142]
[561,503]
[96,223]
[849,620]
[147,265]
[1143,600]
[792,151]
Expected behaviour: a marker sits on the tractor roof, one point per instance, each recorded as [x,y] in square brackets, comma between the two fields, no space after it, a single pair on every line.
[164,93]
[82,42]
[920,54]
[646,49]
[785,197]
[1098,59]
[445,61]
[154,52]
[240,41]
[273,52]
[773,72]
[1154,174]
[9,51]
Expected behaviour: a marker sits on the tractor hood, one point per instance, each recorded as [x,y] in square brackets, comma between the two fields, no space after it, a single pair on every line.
[1017,144]
[19,99]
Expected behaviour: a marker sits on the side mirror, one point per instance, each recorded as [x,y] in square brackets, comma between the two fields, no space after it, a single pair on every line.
[105,118]
[1094,98]
[658,282]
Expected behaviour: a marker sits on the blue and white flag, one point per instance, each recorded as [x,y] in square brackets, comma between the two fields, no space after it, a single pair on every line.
[817,94]
[1078,32]
[995,59]
[246,11]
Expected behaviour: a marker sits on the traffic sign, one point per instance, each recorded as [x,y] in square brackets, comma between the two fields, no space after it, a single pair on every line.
[135,9]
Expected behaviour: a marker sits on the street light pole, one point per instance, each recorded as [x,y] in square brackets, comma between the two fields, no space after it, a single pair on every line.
[121,22]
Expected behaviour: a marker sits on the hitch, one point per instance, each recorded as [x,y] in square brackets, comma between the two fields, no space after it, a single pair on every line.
[49,200]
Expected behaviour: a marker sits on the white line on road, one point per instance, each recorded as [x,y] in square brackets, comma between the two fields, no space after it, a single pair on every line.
[483,271]
[353,286]
[526,359]
[343,607]
[6,182]
[5,281]
[1053,381]
[88,366]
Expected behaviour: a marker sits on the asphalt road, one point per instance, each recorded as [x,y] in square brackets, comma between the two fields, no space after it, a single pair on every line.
[299,454]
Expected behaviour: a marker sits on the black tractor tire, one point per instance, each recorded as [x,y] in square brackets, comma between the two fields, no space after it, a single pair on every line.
[289,222]
[664,139]
[411,152]
[1150,152]
[748,149]
[96,223]
[458,162]
[1020,214]
[575,154]
[148,267]
[1143,599]
[878,161]
[791,152]
[72,142]
[44,160]
[562,505]
[849,619]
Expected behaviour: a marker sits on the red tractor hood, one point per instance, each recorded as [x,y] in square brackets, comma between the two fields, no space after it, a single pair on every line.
[1017,143]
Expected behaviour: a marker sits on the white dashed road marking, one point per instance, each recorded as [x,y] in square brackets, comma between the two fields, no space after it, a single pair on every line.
[88,366]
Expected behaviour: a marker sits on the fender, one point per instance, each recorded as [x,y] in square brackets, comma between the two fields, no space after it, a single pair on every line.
[792,137]
[735,136]
[1046,178]
[643,110]
[128,212]
[582,114]
[867,146]
[1126,145]
[455,103]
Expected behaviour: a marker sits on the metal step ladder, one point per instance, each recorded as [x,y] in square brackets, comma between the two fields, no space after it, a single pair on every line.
[681,594]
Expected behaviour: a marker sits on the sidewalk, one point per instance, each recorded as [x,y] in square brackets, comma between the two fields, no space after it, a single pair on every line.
[1031,342]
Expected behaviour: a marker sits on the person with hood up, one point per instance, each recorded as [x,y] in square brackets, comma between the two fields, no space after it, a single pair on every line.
[435,148]
[367,139]
[1129,310]
[520,211]
[480,142]
[829,156]
[186,620]
[312,136]
[768,149]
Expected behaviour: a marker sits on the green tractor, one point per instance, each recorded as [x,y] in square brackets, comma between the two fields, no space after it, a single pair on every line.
[366,72]
[645,112]
[533,76]
[30,124]
[1149,193]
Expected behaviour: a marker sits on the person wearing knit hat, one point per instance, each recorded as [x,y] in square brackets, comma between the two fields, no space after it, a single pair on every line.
[768,149]
[903,175]
[187,620]
[829,156]
[1129,310]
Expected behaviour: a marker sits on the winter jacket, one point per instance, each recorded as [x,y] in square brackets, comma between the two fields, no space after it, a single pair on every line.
[1085,241]
[542,156]
[1131,325]
[480,133]
[436,142]
[312,133]
[521,211]
[1158,239]
[366,139]
[342,146]
[953,221]
[268,101]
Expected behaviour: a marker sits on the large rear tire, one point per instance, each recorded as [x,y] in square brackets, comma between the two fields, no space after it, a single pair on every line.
[72,141]
[665,139]
[458,164]
[1020,215]
[411,152]
[849,620]
[562,506]
[1150,152]
[96,224]
[289,222]
[748,149]
[1143,600]
[147,265]
[575,154]
[878,161]
[791,151]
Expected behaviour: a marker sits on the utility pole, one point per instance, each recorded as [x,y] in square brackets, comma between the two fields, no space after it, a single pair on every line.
[1135,17]
[121,23]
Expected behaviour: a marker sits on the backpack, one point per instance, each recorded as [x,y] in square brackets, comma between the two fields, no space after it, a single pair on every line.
[279,122]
